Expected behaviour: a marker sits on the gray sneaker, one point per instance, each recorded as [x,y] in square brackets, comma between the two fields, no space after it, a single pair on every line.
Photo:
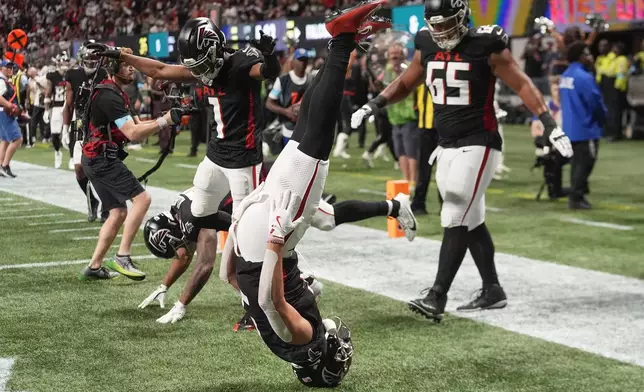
[124,266]
[96,274]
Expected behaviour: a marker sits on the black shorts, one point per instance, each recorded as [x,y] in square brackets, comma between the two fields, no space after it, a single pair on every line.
[113,181]
[299,296]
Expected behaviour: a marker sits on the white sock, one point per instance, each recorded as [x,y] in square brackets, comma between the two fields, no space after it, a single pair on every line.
[391,207]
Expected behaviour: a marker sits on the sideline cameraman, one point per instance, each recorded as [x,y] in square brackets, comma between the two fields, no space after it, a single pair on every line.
[112,124]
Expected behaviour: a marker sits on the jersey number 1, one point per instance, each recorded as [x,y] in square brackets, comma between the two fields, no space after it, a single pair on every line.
[219,118]
[438,86]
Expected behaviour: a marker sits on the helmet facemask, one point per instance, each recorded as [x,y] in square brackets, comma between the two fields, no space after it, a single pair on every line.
[208,66]
[449,31]
[339,351]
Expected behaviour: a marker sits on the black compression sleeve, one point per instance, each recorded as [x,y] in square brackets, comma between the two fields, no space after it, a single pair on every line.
[271,67]
[219,221]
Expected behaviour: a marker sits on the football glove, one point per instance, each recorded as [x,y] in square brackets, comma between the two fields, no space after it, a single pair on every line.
[157,295]
[280,220]
[561,142]
[265,44]
[359,115]
[65,136]
[175,314]
[45,116]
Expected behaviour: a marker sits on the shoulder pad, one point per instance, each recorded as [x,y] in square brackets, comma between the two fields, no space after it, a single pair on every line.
[423,39]
[494,37]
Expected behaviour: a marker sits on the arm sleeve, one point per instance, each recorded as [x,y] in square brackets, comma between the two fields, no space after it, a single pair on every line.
[265,298]
[277,90]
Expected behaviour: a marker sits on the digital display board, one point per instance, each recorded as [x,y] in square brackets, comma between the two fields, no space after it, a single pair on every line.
[616,12]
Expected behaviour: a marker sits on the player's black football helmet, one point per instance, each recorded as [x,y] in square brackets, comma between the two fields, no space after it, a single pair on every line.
[201,48]
[447,21]
[160,236]
[86,57]
[334,364]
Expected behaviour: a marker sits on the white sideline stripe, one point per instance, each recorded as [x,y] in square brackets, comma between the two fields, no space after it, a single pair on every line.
[133,245]
[146,160]
[5,372]
[372,192]
[605,225]
[57,222]
[30,216]
[75,229]
[61,263]
[6,198]
[91,238]
[186,166]
[16,204]
[494,209]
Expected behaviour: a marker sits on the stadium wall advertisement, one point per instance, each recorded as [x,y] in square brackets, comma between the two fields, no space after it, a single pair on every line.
[620,14]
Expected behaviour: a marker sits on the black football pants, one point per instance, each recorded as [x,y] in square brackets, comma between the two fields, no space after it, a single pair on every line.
[428,143]
[582,163]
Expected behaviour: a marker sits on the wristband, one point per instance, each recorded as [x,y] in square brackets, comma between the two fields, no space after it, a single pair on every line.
[379,102]
[548,122]
[162,122]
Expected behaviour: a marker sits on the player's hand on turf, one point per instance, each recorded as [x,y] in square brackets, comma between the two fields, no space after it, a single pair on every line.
[157,295]
[45,116]
[280,220]
[265,44]
[175,314]
[561,142]
[361,114]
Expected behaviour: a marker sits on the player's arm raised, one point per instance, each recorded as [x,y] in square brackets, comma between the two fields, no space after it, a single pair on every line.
[287,322]
[396,91]
[153,68]
[270,68]
[506,68]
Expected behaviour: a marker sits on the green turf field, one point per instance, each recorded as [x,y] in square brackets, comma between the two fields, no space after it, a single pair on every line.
[67,335]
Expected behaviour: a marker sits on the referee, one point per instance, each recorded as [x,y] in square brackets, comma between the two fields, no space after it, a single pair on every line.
[427,145]
[112,124]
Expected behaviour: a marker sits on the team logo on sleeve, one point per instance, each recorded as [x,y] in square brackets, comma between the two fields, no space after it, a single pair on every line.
[206,37]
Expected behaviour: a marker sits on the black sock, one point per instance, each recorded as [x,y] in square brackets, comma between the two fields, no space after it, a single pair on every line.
[451,256]
[357,210]
[481,247]
[395,208]
[55,140]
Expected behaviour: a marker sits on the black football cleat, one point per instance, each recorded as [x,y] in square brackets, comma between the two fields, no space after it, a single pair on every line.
[432,306]
[245,323]
[350,19]
[492,297]
[8,172]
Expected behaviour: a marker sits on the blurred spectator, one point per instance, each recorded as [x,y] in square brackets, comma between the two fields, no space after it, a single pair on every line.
[402,116]
[616,85]
[534,62]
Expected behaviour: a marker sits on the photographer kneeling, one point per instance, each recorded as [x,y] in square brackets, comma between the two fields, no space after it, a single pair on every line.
[112,124]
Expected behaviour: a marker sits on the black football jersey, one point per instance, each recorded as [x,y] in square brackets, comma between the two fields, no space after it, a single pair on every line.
[58,89]
[80,84]
[236,138]
[297,295]
[462,86]
[188,228]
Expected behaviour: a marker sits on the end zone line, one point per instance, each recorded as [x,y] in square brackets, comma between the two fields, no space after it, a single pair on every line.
[146,160]
[91,238]
[186,166]
[30,209]
[605,225]
[7,199]
[61,263]
[26,203]
[30,216]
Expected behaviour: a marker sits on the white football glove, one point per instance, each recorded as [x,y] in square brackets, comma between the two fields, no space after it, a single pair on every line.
[175,314]
[280,220]
[157,295]
[45,116]
[561,142]
[359,115]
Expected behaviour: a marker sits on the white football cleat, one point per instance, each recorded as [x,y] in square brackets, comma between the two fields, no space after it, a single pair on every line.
[58,159]
[368,159]
[340,150]
[406,217]
[70,165]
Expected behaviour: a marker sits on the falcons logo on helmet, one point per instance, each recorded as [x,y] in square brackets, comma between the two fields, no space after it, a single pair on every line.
[206,37]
